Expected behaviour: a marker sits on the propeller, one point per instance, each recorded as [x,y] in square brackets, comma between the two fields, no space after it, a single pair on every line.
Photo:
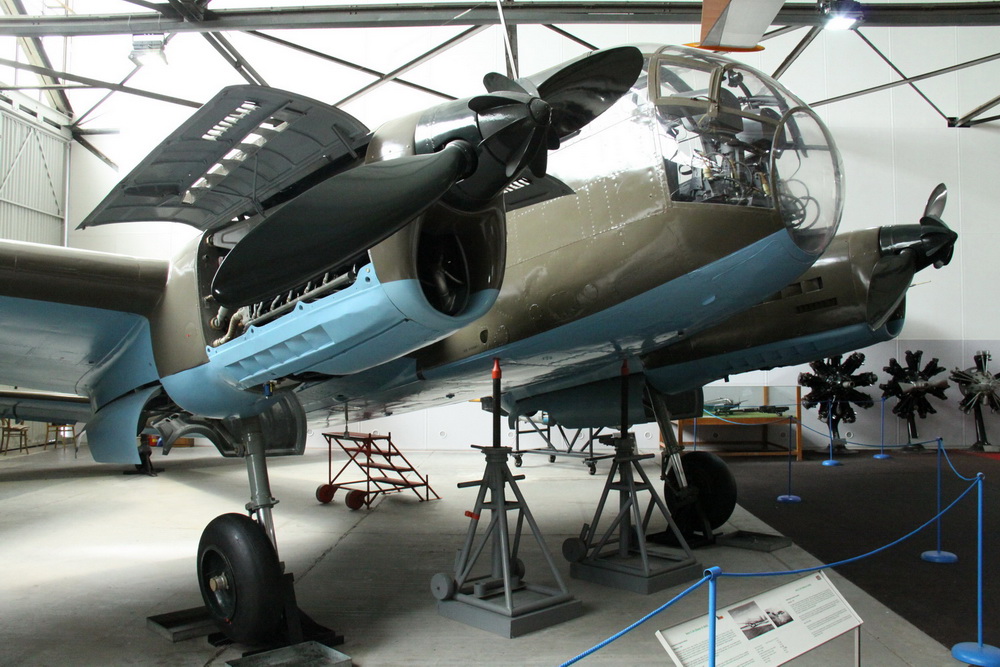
[357,209]
[467,152]
[574,94]
[905,250]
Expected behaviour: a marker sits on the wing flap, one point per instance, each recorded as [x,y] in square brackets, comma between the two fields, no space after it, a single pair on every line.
[245,145]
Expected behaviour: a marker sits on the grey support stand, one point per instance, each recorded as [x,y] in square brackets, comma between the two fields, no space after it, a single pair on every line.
[620,557]
[500,601]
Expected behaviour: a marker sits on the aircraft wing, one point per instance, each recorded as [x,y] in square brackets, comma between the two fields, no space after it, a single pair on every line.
[74,322]
[44,407]
[244,146]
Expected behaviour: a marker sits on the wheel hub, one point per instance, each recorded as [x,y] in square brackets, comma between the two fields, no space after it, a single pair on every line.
[218,583]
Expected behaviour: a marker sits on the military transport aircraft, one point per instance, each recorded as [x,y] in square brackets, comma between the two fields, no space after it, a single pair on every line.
[661,207]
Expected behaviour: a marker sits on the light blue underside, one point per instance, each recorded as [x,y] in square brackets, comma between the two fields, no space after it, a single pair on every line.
[591,348]
[346,333]
[111,432]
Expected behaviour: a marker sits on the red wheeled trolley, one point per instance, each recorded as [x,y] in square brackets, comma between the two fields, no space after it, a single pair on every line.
[385,470]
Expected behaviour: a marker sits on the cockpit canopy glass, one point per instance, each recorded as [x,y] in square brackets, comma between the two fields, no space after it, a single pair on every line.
[725,129]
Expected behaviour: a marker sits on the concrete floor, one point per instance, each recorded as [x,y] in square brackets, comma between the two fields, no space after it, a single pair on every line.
[88,553]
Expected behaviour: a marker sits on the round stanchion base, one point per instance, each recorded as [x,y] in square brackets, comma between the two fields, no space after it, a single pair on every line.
[832,462]
[973,653]
[789,498]
[939,557]
[882,457]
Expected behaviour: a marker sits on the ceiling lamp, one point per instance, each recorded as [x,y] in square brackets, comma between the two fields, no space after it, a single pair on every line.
[840,14]
[148,50]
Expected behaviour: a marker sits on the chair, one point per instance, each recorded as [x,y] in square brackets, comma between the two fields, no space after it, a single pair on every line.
[11,430]
[56,433]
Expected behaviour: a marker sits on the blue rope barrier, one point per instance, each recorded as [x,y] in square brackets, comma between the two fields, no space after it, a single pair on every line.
[642,620]
[862,556]
[711,574]
[952,466]
[861,444]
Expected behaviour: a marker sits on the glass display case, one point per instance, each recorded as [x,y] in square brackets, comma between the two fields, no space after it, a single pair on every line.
[746,421]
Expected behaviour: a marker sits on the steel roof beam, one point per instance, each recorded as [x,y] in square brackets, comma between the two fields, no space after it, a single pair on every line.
[34,50]
[907,81]
[797,51]
[969,119]
[99,84]
[895,69]
[348,64]
[436,14]
[419,60]
[194,12]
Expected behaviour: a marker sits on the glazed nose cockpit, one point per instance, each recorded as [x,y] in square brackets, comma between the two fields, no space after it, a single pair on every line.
[733,136]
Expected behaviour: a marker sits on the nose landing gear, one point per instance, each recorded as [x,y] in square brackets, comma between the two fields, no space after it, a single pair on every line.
[246,591]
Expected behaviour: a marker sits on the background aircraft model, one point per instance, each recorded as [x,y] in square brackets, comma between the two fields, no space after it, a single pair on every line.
[664,208]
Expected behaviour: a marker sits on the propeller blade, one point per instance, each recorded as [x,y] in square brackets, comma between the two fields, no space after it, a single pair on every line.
[890,279]
[499,83]
[583,90]
[936,202]
[334,221]
[540,163]
[493,101]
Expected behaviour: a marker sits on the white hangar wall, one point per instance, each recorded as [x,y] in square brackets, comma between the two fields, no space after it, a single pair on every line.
[895,146]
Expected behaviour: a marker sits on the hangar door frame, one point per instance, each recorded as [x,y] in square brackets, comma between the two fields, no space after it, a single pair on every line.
[34,149]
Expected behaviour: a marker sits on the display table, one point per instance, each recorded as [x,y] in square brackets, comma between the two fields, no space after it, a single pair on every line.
[739,422]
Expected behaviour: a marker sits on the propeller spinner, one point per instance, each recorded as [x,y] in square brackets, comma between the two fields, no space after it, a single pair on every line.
[906,249]
[468,152]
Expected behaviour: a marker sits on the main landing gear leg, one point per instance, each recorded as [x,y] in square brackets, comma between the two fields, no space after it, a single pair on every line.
[246,592]
[698,487]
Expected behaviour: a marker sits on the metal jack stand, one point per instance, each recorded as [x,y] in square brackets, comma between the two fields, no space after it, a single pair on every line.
[621,557]
[501,601]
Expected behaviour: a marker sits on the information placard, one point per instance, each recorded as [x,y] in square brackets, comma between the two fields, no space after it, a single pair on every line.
[766,630]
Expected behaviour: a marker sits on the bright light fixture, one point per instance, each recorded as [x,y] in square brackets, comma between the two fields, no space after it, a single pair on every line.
[840,14]
[148,50]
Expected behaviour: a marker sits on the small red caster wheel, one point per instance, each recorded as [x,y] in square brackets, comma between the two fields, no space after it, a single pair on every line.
[324,493]
[355,499]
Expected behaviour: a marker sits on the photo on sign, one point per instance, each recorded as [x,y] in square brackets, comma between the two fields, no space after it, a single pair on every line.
[751,619]
[778,616]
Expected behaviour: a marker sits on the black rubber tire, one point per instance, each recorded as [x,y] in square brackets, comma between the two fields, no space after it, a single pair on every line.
[574,549]
[716,487]
[249,609]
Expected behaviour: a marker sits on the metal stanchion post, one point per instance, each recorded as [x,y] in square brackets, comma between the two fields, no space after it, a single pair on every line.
[713,574]
[829,424]
[978,653]
[789,497]
[882,455]
[939,556]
